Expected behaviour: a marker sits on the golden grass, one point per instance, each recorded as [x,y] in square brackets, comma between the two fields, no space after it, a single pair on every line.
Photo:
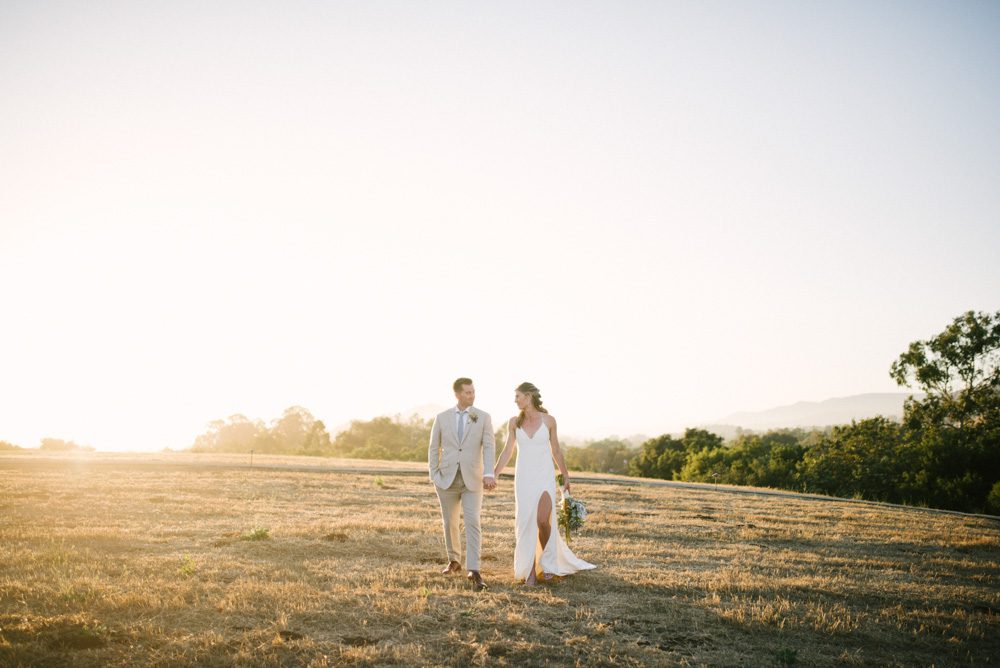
[181,560]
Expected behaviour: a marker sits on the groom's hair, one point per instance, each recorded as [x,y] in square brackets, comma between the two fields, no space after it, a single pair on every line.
[461,382]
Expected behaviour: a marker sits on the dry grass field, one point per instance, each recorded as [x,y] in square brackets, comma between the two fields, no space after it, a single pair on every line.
[194,561]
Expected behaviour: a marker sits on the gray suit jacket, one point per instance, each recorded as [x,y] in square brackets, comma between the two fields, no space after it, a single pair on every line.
[474,453]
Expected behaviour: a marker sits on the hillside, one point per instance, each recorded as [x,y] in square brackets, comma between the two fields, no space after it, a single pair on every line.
[191,561]
[830,412]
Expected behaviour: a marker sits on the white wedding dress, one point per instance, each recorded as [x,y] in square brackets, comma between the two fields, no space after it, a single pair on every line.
[534,474]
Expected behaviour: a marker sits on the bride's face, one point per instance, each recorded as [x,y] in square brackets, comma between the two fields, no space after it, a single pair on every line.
[522,400]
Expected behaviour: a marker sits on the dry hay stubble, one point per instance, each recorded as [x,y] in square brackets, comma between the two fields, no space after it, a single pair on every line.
[118,566]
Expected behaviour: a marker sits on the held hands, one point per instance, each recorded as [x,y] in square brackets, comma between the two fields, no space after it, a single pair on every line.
[489,483]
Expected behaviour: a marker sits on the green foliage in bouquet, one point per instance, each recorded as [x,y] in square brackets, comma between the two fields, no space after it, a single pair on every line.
[572,514]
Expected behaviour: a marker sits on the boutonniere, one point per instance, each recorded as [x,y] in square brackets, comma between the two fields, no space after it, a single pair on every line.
[473,416]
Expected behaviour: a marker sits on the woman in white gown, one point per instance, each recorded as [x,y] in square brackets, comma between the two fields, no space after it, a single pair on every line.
[539,544]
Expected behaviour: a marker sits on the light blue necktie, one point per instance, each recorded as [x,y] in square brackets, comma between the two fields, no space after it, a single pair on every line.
[461,426]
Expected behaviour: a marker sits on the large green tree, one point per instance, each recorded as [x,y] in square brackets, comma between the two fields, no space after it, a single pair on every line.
[665,456]
[865,459]
[771,459]
[295,433]
[317,441]
[385,438]
[959,370]
[236,434]
[609,455]
[954,430]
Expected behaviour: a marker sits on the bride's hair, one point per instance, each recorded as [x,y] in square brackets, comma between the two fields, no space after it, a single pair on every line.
[536,399]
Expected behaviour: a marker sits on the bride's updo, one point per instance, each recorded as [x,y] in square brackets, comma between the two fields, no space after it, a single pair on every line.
[536,399]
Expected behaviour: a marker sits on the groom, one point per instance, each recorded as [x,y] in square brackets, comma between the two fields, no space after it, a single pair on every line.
[460,459]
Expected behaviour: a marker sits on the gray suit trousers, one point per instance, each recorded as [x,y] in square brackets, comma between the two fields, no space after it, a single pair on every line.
[460,499]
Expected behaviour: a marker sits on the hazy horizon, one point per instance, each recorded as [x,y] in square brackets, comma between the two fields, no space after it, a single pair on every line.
[752,421]
[659,213]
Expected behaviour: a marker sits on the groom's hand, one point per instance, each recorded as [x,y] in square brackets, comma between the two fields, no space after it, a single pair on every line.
[489,483]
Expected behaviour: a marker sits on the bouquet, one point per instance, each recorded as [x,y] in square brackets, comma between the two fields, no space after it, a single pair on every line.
[572,513]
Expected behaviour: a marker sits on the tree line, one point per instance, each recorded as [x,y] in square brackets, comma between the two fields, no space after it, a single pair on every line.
[50,445]
[297,432]
[944,453]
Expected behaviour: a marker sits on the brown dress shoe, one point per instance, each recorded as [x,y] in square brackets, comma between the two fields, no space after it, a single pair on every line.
[477,580]
[452,567]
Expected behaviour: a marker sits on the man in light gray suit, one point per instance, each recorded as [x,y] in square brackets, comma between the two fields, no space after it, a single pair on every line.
[460,457]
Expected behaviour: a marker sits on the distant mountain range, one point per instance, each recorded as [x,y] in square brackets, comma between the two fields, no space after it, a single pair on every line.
[840,410]
[805,414]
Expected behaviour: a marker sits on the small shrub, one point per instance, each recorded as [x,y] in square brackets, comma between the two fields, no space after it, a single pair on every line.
[257,533]
[187,567]
[993,500]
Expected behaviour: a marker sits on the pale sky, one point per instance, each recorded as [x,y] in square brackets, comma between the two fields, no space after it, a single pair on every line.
[658,212]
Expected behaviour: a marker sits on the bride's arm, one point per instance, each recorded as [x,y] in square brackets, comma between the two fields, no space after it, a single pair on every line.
[557,454]
[508,450]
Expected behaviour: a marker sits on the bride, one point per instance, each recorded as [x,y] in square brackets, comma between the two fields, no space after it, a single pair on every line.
[538,547]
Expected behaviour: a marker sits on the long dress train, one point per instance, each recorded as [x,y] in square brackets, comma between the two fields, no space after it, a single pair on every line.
[534,475]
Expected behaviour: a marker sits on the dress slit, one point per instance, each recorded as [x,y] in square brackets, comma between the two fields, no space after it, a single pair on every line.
[535,475]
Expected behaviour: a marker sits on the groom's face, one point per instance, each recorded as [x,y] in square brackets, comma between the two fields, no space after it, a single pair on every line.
[466,396]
